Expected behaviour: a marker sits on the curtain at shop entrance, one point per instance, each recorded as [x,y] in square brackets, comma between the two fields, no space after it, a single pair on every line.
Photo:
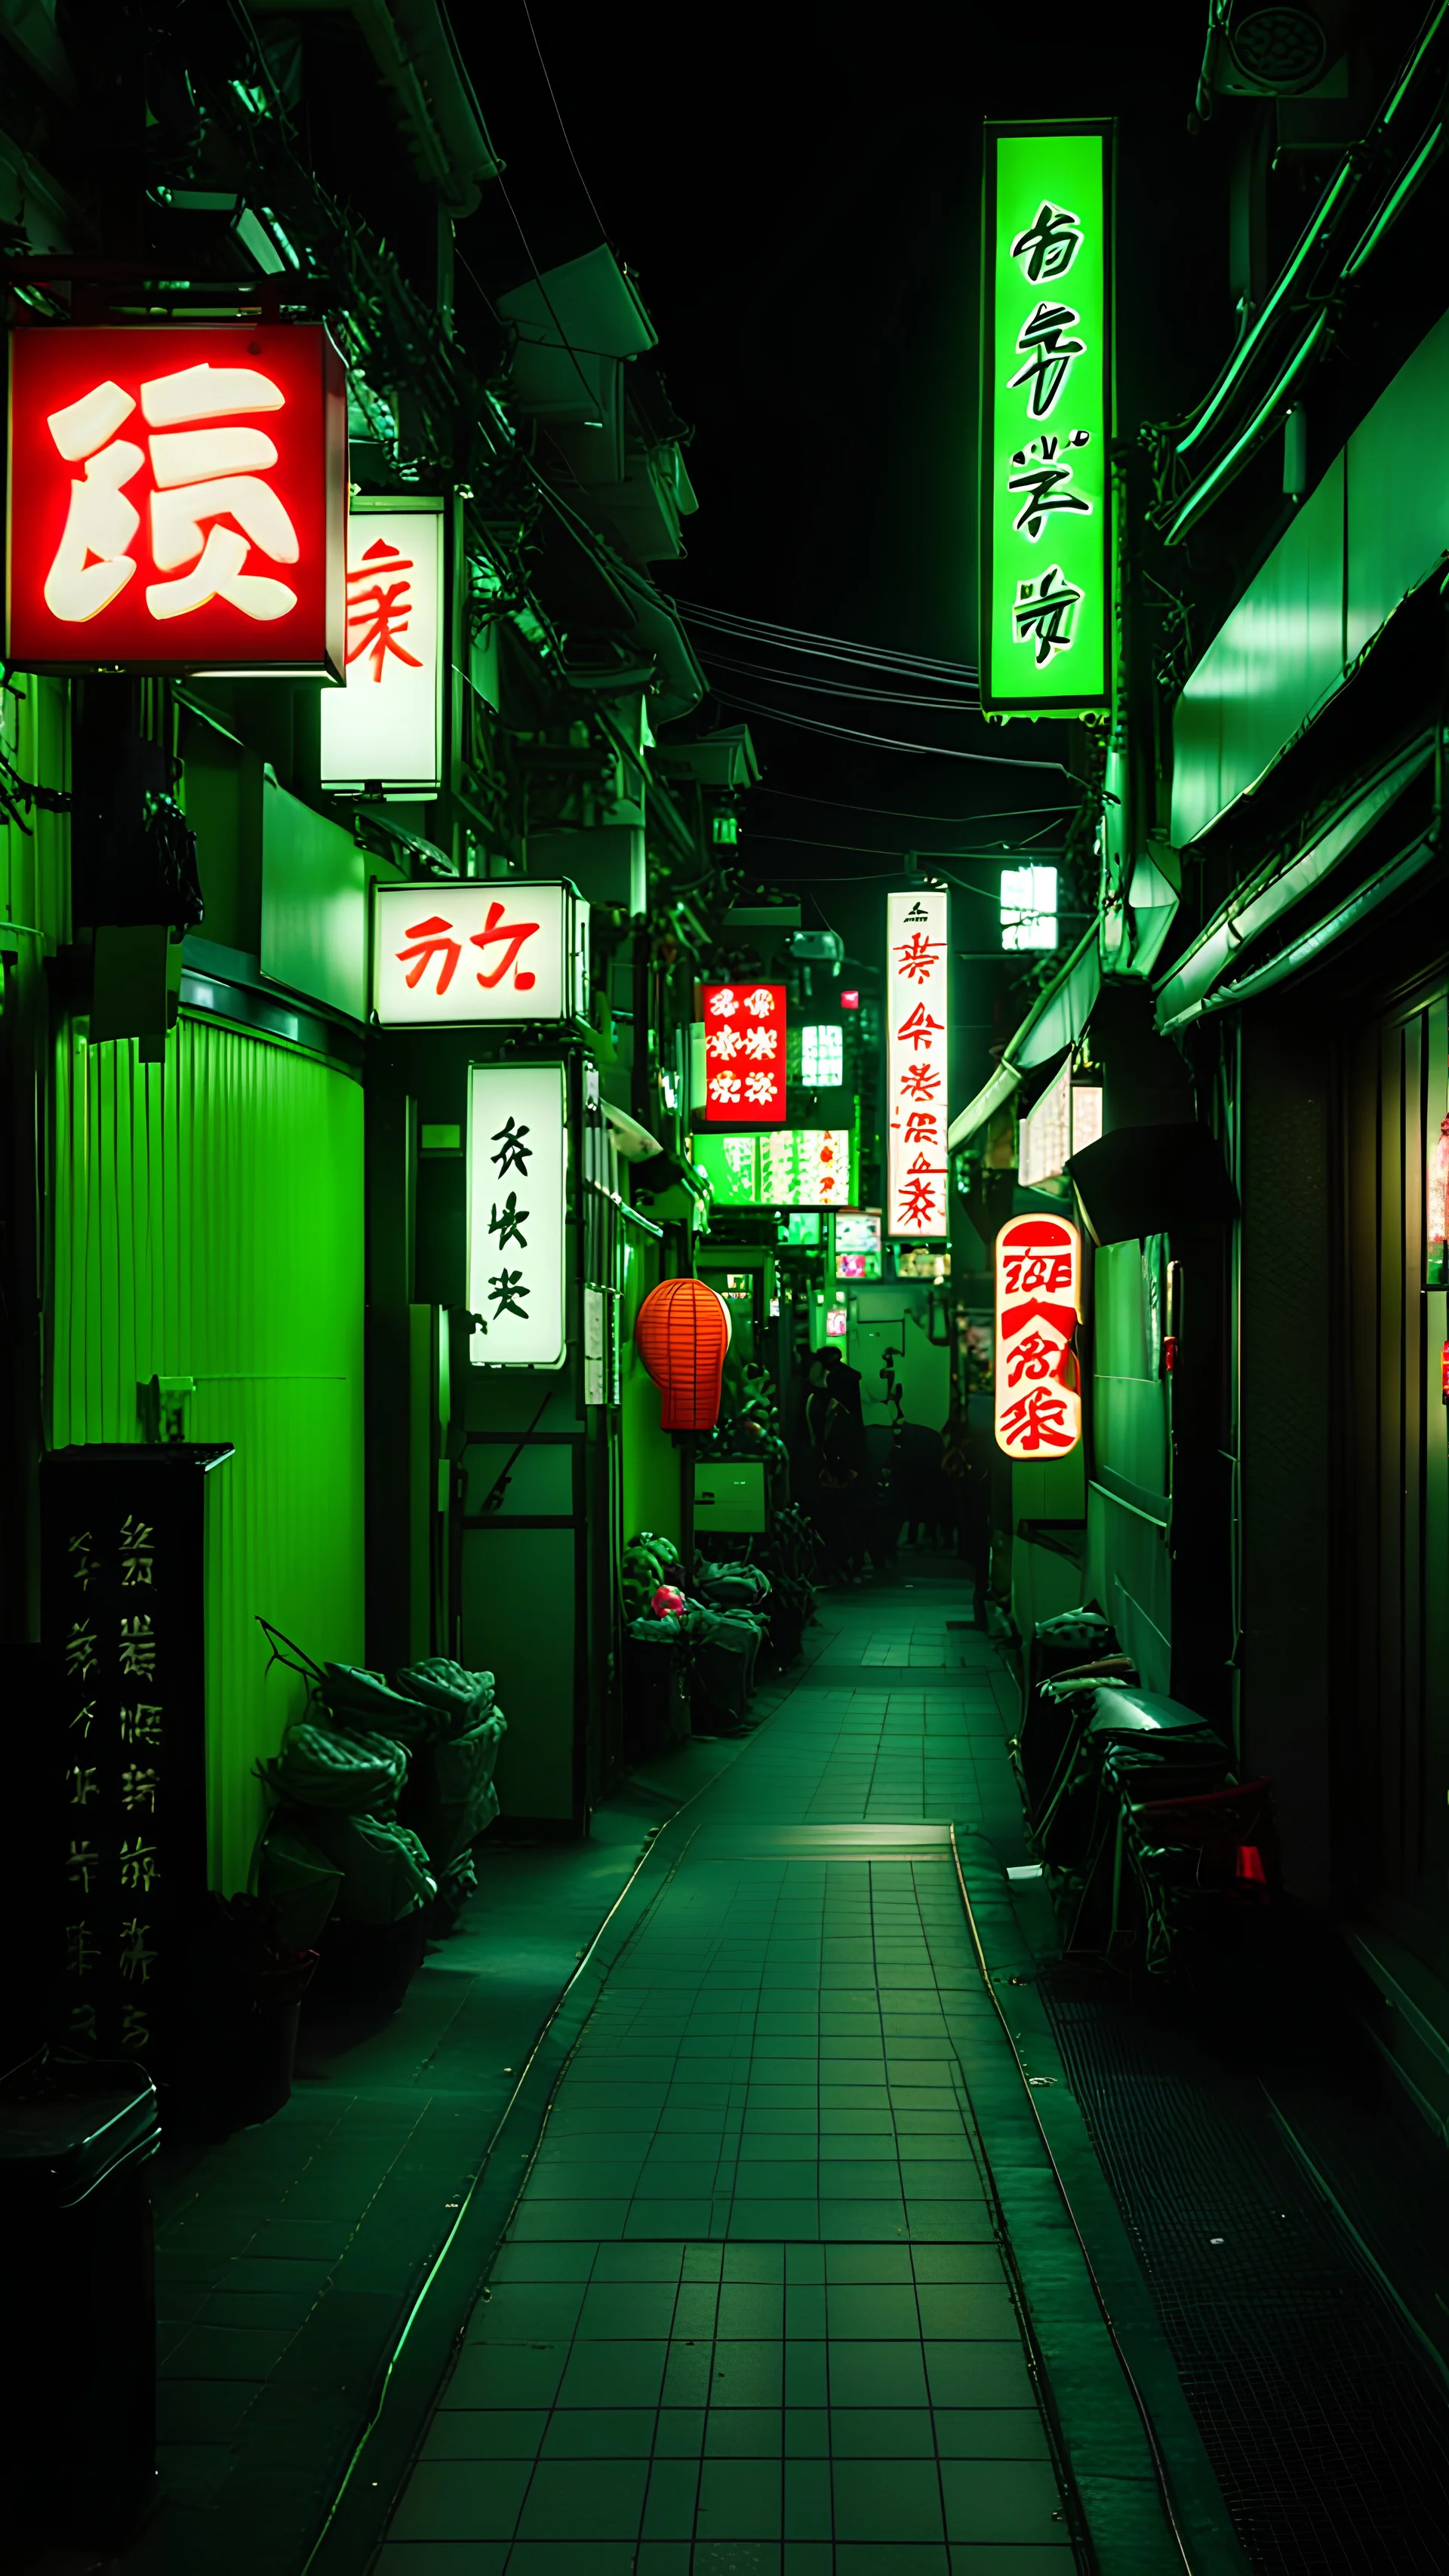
[1393,1808]
[208,1224]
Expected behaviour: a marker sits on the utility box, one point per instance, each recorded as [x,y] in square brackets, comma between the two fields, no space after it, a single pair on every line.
[730,1497]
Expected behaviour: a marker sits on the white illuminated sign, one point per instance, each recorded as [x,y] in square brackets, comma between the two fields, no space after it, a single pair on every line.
[1038,1407]
[918,984]
[517,1168]
[459,952]
[1029,907]
[822,1054]
[385,728]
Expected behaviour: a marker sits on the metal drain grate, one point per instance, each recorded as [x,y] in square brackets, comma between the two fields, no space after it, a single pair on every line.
[1327,2428]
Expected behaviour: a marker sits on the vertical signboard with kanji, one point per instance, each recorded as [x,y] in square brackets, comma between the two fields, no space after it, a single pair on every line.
[1046,625]
[1038,1300]
[177,499]
[517,1178]
[744,1055]
[385,728]
[918,986]
[122,1572]
[459,951]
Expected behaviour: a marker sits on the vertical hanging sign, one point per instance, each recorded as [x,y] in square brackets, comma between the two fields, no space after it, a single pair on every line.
[1038,1300]
[918,983]
[1046,627]
[517,1171]
[744,1055]
[385,728]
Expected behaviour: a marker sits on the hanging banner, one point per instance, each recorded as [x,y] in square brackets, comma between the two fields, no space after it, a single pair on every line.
[1046,624]
[463,952]
[517,1168]
[385,728]
[177,500]
[744,1055]
[918,985]
[1038,1302]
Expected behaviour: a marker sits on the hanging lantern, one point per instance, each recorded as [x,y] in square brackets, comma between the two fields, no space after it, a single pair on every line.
[683,1333]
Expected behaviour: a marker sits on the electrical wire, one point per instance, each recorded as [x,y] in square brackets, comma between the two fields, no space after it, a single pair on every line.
[836,688]
[563,129]
[564,340]
[897,813]
[932,861]
[883,741]
[802,639]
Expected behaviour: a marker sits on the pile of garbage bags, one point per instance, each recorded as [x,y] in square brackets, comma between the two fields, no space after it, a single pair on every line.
[711,1620]
[379,1791]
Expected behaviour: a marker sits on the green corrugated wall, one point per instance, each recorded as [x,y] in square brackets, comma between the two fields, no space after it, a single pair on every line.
[208,1223]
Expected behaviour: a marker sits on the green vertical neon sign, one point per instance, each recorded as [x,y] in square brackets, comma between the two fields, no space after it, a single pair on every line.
[1046,635]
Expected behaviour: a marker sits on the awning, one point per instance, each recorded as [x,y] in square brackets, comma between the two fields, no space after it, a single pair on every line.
[1252,908]
[1055,1022]
[631,1141]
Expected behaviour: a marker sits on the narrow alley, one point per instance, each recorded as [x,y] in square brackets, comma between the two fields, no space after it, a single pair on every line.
[754,2291]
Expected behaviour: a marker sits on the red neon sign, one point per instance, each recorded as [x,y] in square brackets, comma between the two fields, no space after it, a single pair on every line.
[1038,1300]
[177,499]
[744,1055]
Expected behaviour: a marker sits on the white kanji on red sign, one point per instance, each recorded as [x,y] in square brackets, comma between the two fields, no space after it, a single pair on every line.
[199,479]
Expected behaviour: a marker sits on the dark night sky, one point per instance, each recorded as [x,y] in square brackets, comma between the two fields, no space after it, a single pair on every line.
[797,191]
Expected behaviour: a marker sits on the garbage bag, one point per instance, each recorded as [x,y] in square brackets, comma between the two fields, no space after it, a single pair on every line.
[451,1797]
[384,1867]
[460,1696]
[296,1879]
[361,1702]
[348,1773]
[733,1586]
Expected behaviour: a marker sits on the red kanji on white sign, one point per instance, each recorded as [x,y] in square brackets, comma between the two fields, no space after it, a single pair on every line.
[1038,1300]
[917,1002]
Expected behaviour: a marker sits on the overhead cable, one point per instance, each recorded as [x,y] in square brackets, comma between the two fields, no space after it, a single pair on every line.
[801,639]
[836,688]
[897,814]
[884,741]
[563,129]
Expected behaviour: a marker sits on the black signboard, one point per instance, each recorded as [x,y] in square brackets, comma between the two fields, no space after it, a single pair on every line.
[122,1773]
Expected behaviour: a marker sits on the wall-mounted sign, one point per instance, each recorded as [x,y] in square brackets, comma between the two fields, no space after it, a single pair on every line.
[465,952]
[1067,1117]
[177,499]
[744,1054]
[857,1243]
[805,1167]
[123,1801]
[385,728]
[517,1170]
[1038,1300]
[918,988]
[1046,420]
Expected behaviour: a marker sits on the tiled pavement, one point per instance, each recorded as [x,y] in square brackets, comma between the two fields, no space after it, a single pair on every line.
[752,2313]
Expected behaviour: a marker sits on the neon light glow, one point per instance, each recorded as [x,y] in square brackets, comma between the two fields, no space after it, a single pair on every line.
[918,986]
[138,453]
[744,1054]
[1029,907]
[1046,620]
[1038,1403]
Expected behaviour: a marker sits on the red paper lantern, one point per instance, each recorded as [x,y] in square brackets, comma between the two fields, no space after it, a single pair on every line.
[683,1333]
